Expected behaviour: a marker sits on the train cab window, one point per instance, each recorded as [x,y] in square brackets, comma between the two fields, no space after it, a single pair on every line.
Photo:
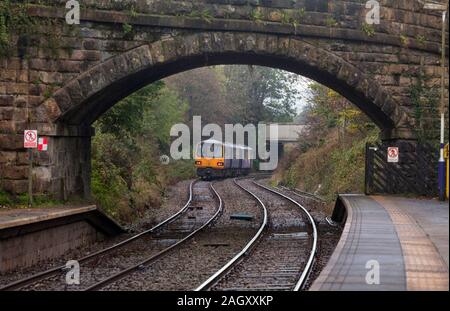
[209,150]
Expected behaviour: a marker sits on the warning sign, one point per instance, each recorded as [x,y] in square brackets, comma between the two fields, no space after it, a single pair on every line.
[393,155]
[43,144]
[30,139]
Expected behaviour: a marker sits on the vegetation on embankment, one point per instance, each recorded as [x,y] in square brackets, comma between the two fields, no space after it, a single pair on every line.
[328,169]
[330,159]
[127,174]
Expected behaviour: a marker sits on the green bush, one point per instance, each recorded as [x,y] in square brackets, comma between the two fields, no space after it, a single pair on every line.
[5,199]
[22,200]
[128,177]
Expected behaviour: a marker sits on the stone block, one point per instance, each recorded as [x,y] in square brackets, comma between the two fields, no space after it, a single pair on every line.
[14,172]
[170,52]
[75,93]
[69,66]
[6,100]
[7,127]
[157,52]
[11,141]
[7,113]
[22,157]
[14,186]
[8,157]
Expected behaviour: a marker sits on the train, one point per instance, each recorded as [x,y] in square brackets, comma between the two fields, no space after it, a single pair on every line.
[215,159]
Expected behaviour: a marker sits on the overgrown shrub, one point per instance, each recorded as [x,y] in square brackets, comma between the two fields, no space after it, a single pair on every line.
[128,177]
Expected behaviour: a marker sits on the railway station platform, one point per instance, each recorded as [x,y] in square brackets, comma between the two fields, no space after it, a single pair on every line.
[28,236]
[389,244]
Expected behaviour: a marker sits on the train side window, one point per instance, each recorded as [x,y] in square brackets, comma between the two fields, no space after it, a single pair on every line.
[218,153]
[198,151]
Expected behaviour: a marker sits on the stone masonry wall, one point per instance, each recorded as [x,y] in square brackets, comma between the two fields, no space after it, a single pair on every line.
[393,54]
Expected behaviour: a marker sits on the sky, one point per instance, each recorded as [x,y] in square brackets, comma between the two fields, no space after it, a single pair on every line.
[302,86]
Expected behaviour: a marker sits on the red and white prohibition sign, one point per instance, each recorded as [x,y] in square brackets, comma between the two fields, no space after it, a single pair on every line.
[393,155]
[43,144]
[30,138]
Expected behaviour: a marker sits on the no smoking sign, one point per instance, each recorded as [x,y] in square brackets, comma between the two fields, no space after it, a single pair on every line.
[30,139]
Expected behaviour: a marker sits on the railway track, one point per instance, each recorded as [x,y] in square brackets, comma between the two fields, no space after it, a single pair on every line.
[279,254]
[302,194]
[245,251]
[154,258]
[174,229]
[275,259]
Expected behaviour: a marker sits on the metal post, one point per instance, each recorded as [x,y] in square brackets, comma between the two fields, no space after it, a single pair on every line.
[367,172]
[442,164]
[30,178]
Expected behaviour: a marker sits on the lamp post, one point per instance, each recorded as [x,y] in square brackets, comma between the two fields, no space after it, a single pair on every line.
[442,164]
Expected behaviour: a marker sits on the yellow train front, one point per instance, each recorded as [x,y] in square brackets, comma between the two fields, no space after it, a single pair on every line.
[214,159]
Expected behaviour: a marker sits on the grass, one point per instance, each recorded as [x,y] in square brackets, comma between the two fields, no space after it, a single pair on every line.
[369,30]
[5,199]
[256,15]
[331,22]
[21,201]
[334,167]
[125,204]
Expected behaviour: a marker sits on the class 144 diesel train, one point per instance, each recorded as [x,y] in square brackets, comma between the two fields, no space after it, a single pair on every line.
[215,159]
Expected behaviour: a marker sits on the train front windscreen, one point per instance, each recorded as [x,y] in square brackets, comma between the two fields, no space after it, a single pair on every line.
[209,150]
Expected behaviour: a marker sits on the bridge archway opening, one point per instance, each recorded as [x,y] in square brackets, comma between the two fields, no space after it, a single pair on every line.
[281,147]
[92,108]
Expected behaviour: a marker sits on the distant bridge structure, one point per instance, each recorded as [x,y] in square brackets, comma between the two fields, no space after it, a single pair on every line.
[287,132]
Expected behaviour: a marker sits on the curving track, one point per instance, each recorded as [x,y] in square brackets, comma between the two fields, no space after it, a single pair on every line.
[206,213]
[278,259]
[195,261]
[113,259]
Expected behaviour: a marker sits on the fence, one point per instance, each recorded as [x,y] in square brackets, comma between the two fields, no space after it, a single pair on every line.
[415,172]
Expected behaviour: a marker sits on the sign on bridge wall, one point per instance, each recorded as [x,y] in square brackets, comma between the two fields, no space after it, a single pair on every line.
[30,139]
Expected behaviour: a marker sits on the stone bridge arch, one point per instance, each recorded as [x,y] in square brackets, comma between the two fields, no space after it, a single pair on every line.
[327,41]
[82,100]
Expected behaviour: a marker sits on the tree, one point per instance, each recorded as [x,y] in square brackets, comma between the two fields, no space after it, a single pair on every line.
[262,93]
[238,94]
[328,110]
[203,90]
[125,118]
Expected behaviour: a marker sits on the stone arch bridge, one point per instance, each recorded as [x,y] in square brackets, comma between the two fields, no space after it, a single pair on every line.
[60,78]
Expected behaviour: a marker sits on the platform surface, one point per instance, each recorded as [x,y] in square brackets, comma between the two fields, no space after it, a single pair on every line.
[18,217]
[407,239]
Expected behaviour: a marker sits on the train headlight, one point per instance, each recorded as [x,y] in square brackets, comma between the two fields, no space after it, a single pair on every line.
[220,164]
[198,162]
